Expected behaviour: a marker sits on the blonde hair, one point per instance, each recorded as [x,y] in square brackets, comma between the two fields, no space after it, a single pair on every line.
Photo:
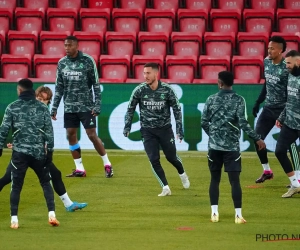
[43,89]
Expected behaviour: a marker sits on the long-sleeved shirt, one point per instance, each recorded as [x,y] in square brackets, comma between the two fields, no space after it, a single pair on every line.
[154,107]
[223,116]
[31,125]
[76,78]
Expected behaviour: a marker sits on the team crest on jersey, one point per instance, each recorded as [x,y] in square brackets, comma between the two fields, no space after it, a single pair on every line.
[162,96]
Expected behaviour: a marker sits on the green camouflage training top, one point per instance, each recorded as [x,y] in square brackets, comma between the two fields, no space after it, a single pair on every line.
[154,107]
[223,116]
[290,116]
[31,125]
[76,78]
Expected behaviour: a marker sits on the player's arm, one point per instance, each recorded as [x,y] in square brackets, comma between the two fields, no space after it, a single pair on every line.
[174,103]
[94,79]
[281,118]
[5,127]
[206,117]
[48,129]
[261,98]
[59,91]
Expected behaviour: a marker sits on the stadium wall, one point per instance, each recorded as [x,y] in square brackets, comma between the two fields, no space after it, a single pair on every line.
[114,104]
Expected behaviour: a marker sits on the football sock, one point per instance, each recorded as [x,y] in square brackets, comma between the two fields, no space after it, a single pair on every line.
[105,160]
[297,173]
[214,209]
[294,181]
[52,214]
[66,200]
[166,187]
[266,167]
[238,212]
[78,164]
[14,218]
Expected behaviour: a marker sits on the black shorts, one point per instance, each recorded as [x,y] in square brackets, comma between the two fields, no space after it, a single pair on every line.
[230,159]
[72,120]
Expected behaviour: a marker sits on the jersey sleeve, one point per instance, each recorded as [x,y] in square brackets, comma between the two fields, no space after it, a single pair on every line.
[133,101]
[174,103]
[262,96]
[5,126]
[206,117]
[59,88]
[48,129]
[94,79]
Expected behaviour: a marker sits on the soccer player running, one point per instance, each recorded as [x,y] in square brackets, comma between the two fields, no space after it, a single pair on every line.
[76,80]
[289,121]
[33,143]
[274,92]
[44,94]
[224,114]
[155,99]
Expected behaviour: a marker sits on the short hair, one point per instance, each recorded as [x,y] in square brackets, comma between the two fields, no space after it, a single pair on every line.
[43,89]
[280,40]
[25,84]
[152,65]
[72,38]
[226,77]
[292,53]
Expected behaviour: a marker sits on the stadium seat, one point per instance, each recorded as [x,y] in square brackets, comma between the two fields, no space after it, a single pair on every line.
[205,81]
[22,43]
[94,20]
[246,81]
[263,4]
[104,80]
[198,4]
[165,4]
[45,67]
[127,20]
[225,20]
[138,63]
[181,67]
[291,4]
[52,43]
[231,4]
[61,19]
[120,43]
[133,80]
[6,19]
[288,20]
[292,41]
[133,4]
[211,66]
[153,43]
[247,68]
[101,4]
[252,44]
[2,41]
[219,44]
[66,4]
[192,20]
[114,67]
[15,67]
[258,20]
[176,81]
[29,19]
[36,4]
[159,20]
[10,4]
[186,43]
[90,42]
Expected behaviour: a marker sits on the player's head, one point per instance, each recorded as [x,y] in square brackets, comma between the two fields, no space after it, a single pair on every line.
[292,59]
[277,46]
[225,79]
[24,85]
[71,46]
[151,72]
[44,94]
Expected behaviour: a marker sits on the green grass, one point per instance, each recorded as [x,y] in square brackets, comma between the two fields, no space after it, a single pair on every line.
[125,213]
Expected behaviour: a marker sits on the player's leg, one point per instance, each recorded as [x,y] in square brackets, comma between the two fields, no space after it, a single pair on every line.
[295,159]
[167,142]
[6,179]
[60,189]
[89,123]
[72,123]
[215,163]
[151,145]
[286,137]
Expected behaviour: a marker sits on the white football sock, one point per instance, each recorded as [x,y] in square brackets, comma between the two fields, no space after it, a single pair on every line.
[294,181]
[51,214]
[214,209]
[105,160]
[166,187]
[266,167]
[238,212]
[14,218]
[66,200]
[79,165]
[297,173]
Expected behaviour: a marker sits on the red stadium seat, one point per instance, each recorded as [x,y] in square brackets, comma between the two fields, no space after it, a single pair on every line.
[104,80]
[127,20]
[181,67]
[291,4]
[153,43]
[114,67]
[133,80]
[22,43]
[101,4]
[61,19]
[45,67]
[252,44]
[231,4]
[10,4]
[176,81]
[94,20]
[219,44]
[247,68]
[2,41]
[159,20]
[52,43]
[186,43]
[6,19]
[288,20]
[133,4]
[90,42]
[205,81]
[192,20]
[165,4]
[292,41]
[36,4]
[66,4]
[120,43]
[15,67]
[138,63]
[246,81]
[198,4]
[258,20]
[263,4]
[29,19]
[225,20]
[211,66]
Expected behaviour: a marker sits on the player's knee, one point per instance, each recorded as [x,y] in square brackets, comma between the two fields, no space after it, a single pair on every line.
[280,151]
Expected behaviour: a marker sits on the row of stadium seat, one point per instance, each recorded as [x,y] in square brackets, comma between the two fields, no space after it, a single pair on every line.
[113,68]
[145,43]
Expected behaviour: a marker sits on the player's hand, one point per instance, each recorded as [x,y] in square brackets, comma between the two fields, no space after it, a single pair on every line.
[53,115]
[255,109]
[278,124]
[94,113]
[261,144]
[9,145]
[126,134]
[179,137]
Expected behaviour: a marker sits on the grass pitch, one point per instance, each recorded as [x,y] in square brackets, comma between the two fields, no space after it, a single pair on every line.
[124,212]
